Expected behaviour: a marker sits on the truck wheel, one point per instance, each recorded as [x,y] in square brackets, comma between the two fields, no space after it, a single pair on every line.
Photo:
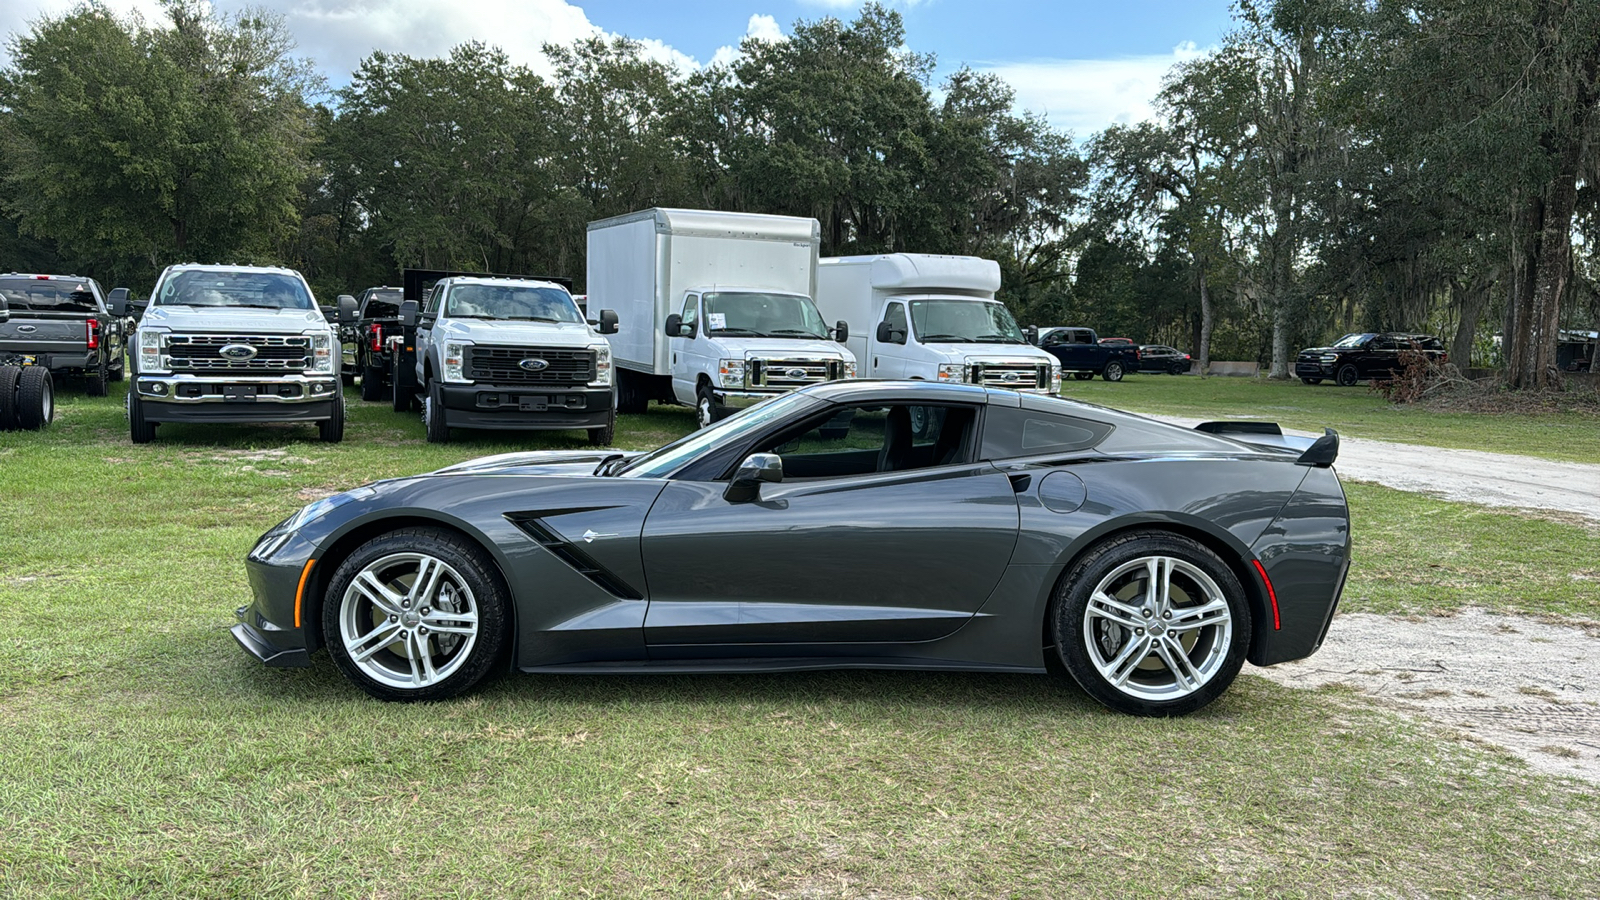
[36,398]
[1083,376]
[1113,371]
[705,406]
[8,397]
[140,431]
[603,437]
[631,398]
[433,416]
[332,430]
[95,384]
[371,384]
[1348,376]
[402,402]
[1310,380]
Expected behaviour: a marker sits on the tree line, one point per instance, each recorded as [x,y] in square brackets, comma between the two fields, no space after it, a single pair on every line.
[1333,166]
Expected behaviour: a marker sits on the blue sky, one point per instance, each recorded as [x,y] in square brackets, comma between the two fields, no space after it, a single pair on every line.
[1083,63]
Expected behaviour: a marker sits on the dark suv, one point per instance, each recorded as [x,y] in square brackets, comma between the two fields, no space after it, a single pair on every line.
[1355,357]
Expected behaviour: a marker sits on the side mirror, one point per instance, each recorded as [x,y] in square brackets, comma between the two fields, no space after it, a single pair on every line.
[1031,334]
[608,321]
[674,325]
[887,335]
[5,310]
[756,468]
[408,313]
[347,309]
[117,302]
[841,331]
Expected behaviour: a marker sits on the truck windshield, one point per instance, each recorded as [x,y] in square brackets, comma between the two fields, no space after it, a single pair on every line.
[494,301]
[47,295]
[256,290]
[1353,340]
[964,322]
[742,314]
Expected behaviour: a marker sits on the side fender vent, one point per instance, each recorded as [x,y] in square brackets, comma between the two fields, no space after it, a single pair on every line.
[580,561]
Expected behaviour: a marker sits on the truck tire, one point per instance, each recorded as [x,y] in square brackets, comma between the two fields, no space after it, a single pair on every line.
[94,383]
[402,402]
[1112,371]
[371,384]
[1348,376]
[433,416]
[705,406]
[605,435]
[8,397]
[331,430]
[36,398]
[631,396]
[139,431]
[1083,376]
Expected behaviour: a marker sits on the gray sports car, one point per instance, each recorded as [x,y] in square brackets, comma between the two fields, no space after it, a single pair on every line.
[846,525]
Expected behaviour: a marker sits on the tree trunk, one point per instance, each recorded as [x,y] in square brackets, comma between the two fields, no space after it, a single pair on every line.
[1203,352]
[1471,301]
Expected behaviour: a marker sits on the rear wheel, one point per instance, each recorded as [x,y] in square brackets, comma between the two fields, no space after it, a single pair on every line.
[416,614]
[1112,372]
[139,431]
[36,398]
[1348,376]
[95,384]
[401,394]
[371,384]
[1151,623]
[331,430]
[8,396]
[433,416]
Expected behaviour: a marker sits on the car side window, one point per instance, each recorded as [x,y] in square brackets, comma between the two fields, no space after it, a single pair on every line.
[895,315]
[434,297]
[862,440]
[691,310]
[1009,433]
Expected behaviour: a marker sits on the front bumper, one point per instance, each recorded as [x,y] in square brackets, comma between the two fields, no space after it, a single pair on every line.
[267,628]
[1312,368]
[205,398]
[525,407]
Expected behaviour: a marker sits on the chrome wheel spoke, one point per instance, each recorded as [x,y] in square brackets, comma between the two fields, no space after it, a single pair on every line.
[1188,618]
[420,645]
[1133,653]
[426,583]
[1158,583]
[375,640]
[1177,662]
[1105,606]
[377,593]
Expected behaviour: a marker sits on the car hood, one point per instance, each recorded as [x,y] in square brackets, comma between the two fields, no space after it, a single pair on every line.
[535,462]
[232,319]
[501,332]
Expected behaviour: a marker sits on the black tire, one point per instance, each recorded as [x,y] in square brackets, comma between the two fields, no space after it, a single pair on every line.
[631,396]
[36,398]
[331,430]
[353,622]
[1305,380]
[372,384]
[434,417]
[402,401]
[1112,371]
[9,375]
[1348,376]
[1201,588]
[705,406]
[139,431]
[94,384]
[606,434]
[1083,376]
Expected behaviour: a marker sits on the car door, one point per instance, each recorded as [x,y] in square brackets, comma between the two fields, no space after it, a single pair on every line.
[686,355]
[876,535]
[889,360]
[425,325]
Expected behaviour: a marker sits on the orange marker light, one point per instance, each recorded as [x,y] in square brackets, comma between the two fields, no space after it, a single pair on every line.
[305,573]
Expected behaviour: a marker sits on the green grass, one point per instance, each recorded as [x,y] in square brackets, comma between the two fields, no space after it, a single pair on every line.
[1571,435]
[146,755]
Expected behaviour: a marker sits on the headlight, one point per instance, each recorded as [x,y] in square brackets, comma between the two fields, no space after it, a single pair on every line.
[151,359]
[730,372]
[954,372]
[273,541]
[849,370]
[602,366]
[1055,379]
[321,354]
[1329,359]
[455,362]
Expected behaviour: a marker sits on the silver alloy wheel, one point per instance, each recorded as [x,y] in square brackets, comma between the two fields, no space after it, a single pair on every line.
[1157,628]
[408,620]
[703,411]
[47,403]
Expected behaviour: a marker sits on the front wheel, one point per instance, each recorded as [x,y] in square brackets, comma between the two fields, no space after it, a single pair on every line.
[1113,371]
[433,416]
[416,614]
[705,406]
[139,431]
[1305,380]
[606,434]
[1151,623]
[1348,376]
[331,430]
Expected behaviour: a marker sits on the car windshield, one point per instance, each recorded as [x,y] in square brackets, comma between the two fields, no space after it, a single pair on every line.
[514,302]
[382,305]
[964,321]
[676,455]
[750,314]
[47,295]
[256,290]
[1352,340]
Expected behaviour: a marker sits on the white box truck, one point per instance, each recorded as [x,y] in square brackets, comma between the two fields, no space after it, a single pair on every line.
[716,309]
[932,318]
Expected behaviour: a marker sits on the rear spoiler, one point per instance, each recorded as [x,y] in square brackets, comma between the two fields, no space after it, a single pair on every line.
[1320,452]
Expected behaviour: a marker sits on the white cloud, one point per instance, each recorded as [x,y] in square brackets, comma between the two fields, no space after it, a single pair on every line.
[1086,95]
[761,28]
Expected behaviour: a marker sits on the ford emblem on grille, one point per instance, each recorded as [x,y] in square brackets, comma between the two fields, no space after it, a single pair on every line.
[796,373]
[239,352]
[533,365]
[1010,377]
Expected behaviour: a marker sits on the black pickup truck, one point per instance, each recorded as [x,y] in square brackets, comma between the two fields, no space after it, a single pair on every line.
[61,323]
[1082,354]
[377,330]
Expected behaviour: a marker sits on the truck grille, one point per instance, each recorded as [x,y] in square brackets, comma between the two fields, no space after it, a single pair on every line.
[274,353]
[793,373]
[502,365]
[1010,376]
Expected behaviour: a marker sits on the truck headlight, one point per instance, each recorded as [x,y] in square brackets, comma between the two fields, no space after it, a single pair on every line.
[602,367]
[849,370]
[952,372]
[730,373]
[1329,359]
[455,362]
[1055,379]
[152,353]
[321,354]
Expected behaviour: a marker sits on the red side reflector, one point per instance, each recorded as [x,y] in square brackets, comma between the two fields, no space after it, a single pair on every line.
[1277,624]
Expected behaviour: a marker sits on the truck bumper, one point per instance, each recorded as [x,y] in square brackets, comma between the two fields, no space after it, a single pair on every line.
[202,399]
[1312,370]
[526,407]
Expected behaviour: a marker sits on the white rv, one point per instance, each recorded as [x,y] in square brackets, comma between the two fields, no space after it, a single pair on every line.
[932,318]
[716,309]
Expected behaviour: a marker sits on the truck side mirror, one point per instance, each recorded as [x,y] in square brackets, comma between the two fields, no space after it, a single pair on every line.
[756,468]
[841,331]
[1032,334]
[5,310]
[608,321]
[408,313]
[676,328]
[117,302]
[346,309]
[887,335]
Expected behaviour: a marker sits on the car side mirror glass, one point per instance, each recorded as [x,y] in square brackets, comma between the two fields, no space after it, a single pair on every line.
[608,321]
[747,479]
[346,309]
[841,331]
[408,313]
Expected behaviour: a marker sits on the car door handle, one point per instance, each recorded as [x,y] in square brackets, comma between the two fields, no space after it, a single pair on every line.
[1019,481]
